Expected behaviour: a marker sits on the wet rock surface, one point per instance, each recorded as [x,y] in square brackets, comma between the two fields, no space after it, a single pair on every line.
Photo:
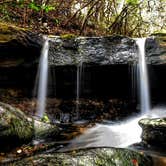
[105,50]
[88,157]
[154,132]
[97,50]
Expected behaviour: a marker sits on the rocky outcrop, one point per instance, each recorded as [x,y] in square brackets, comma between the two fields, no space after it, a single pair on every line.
[96,50]
[16,128]
[105,50]
[156,49]
[18,47]
[154,131]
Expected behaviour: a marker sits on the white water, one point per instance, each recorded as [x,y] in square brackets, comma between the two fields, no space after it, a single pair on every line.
[133,74]
[143,81]
[43,78]
[118,135]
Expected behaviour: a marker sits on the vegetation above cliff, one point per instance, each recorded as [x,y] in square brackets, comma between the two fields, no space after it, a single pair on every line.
[86,17]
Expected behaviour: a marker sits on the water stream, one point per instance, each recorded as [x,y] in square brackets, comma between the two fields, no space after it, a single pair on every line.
[143,79]
[43,78]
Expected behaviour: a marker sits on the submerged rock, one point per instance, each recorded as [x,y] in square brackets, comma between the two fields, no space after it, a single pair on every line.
[154,131]
[16,128]
[89,157]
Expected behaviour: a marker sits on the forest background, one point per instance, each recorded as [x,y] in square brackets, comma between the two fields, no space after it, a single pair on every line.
[134,18]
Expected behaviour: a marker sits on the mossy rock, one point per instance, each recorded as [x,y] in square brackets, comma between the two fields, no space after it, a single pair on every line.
[68,36]
[89,157]
[8,32]
[16,128]
[154,131]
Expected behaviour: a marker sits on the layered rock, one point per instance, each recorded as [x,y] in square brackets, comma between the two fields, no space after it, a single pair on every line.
[20,47]
[96,50]
[156,49]
[154,131]
[105,50]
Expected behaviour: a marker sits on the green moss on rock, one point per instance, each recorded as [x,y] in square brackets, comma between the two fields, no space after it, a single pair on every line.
[8,32]
[68,36]
[90,157]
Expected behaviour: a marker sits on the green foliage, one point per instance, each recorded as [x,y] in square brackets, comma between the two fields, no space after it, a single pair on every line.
[48,8]
[45,119]
[37,8]
[132,2]
[56,21]
[133,18]
[34,7]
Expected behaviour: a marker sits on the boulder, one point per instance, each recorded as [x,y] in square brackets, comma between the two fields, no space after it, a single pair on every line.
[154,131]
[16,128]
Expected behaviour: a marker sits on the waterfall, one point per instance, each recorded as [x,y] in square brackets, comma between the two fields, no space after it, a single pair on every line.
[43,78]
[143,80]
[133,74]
[78,89]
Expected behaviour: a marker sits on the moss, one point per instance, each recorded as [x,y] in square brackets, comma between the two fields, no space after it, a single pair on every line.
[9,32]
[68,36]
[153,122]
[90,157]
[20,128]
[45,118]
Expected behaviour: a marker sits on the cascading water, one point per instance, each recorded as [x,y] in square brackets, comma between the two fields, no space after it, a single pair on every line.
[143,80]
[43,78]
[133,75]
[127,132]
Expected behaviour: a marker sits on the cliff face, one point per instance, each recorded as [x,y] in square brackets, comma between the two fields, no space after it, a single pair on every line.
[108,63]
[105,50]
[18,47]
[22,47]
